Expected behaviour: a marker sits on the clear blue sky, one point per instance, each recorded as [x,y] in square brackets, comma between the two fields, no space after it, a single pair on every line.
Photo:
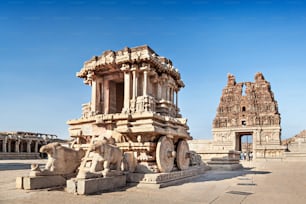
[43,43]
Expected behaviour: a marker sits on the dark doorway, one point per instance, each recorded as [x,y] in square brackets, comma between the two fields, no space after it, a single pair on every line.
[244,142]
[119,97]
[116,96]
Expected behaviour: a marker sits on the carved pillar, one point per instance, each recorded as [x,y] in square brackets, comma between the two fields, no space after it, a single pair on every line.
[93,103]
[176,99]
[135,83]
[9,146]
[17,145]
[106,96]
[135,80]
[159,90]
[127,87]
[29,146]
[36,146]
[4,144]
[145,80]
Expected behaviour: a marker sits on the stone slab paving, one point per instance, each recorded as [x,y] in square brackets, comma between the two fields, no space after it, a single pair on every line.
[261,182]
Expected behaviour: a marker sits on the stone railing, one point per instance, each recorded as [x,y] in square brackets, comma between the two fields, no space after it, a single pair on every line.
[166,108]
[144,104]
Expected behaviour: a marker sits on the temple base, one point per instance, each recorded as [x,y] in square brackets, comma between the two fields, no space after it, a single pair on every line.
[160,180]
[94,185]
[39,182]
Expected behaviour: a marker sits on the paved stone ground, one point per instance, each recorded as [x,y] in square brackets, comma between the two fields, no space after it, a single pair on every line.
[261,182]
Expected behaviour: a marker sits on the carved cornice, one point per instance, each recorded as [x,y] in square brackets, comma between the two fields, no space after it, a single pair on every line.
[111,60]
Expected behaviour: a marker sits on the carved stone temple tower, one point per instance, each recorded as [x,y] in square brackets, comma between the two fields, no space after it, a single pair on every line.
[248,108]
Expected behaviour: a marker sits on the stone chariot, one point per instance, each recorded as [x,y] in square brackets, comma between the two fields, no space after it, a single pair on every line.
[134,103]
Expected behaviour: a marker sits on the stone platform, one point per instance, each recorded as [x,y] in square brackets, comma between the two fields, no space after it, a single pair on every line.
[94,185]
[39,182]
[160,180]
[227,164]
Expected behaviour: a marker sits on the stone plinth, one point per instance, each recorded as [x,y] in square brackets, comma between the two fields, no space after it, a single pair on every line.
[227,164]
[39,182]
[159,180]
[94,185]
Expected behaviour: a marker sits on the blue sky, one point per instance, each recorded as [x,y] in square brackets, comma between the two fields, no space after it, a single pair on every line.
[43,43]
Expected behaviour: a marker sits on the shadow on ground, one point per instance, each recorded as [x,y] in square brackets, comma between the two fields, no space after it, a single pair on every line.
[222,175]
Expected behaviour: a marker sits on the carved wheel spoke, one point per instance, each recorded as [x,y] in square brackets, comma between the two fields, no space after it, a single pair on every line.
[182,155]
[165,154]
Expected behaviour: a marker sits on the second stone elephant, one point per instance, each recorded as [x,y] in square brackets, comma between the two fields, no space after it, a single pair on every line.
[108,155]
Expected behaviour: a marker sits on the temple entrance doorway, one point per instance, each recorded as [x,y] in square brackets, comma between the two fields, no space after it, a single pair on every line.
[244,142]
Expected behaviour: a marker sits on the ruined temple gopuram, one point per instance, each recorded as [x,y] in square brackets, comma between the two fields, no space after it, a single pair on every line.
[248,108]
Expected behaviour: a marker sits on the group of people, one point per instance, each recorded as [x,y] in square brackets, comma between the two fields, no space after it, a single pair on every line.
[246,156]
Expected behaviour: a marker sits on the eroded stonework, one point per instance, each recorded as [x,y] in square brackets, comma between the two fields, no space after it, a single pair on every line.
[248,108]
[134,104]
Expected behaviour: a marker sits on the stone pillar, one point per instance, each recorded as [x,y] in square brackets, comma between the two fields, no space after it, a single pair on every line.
[145,80]
[168,93]
[9,146]
[17,146]
[4,144]
[106,96]
[135,80]
[36,146]
[93,102]
[176,99]
[29,146]
[127,86]
[159,90]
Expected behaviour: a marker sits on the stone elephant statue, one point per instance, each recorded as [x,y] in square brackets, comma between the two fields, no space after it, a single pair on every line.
[61,160]
[109,155]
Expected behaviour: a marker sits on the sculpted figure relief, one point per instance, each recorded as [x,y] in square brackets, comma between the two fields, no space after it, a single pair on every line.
[106,157]
[61,160]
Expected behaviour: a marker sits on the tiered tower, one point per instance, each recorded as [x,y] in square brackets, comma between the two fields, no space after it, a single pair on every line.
[248,108]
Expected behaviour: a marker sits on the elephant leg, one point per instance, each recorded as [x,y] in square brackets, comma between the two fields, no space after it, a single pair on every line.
[106,166]
[118,165]
[94,165]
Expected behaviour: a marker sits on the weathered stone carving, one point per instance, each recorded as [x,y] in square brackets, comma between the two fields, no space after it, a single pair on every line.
[195,159]
[248,108]
[103,156]
[135,97]
[61,160]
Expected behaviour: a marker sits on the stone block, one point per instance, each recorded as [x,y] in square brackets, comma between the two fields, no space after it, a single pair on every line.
[71,185]
[94,185]
[159,180]
[39,182]
[19,182]
[225,167]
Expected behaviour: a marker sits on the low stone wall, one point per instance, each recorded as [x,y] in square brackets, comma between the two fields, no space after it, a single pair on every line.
[206,149]
[23,155]
[299,146]
[295,156]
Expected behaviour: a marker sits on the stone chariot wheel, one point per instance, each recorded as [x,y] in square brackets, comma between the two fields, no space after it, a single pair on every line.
[165,154]
[182,155]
